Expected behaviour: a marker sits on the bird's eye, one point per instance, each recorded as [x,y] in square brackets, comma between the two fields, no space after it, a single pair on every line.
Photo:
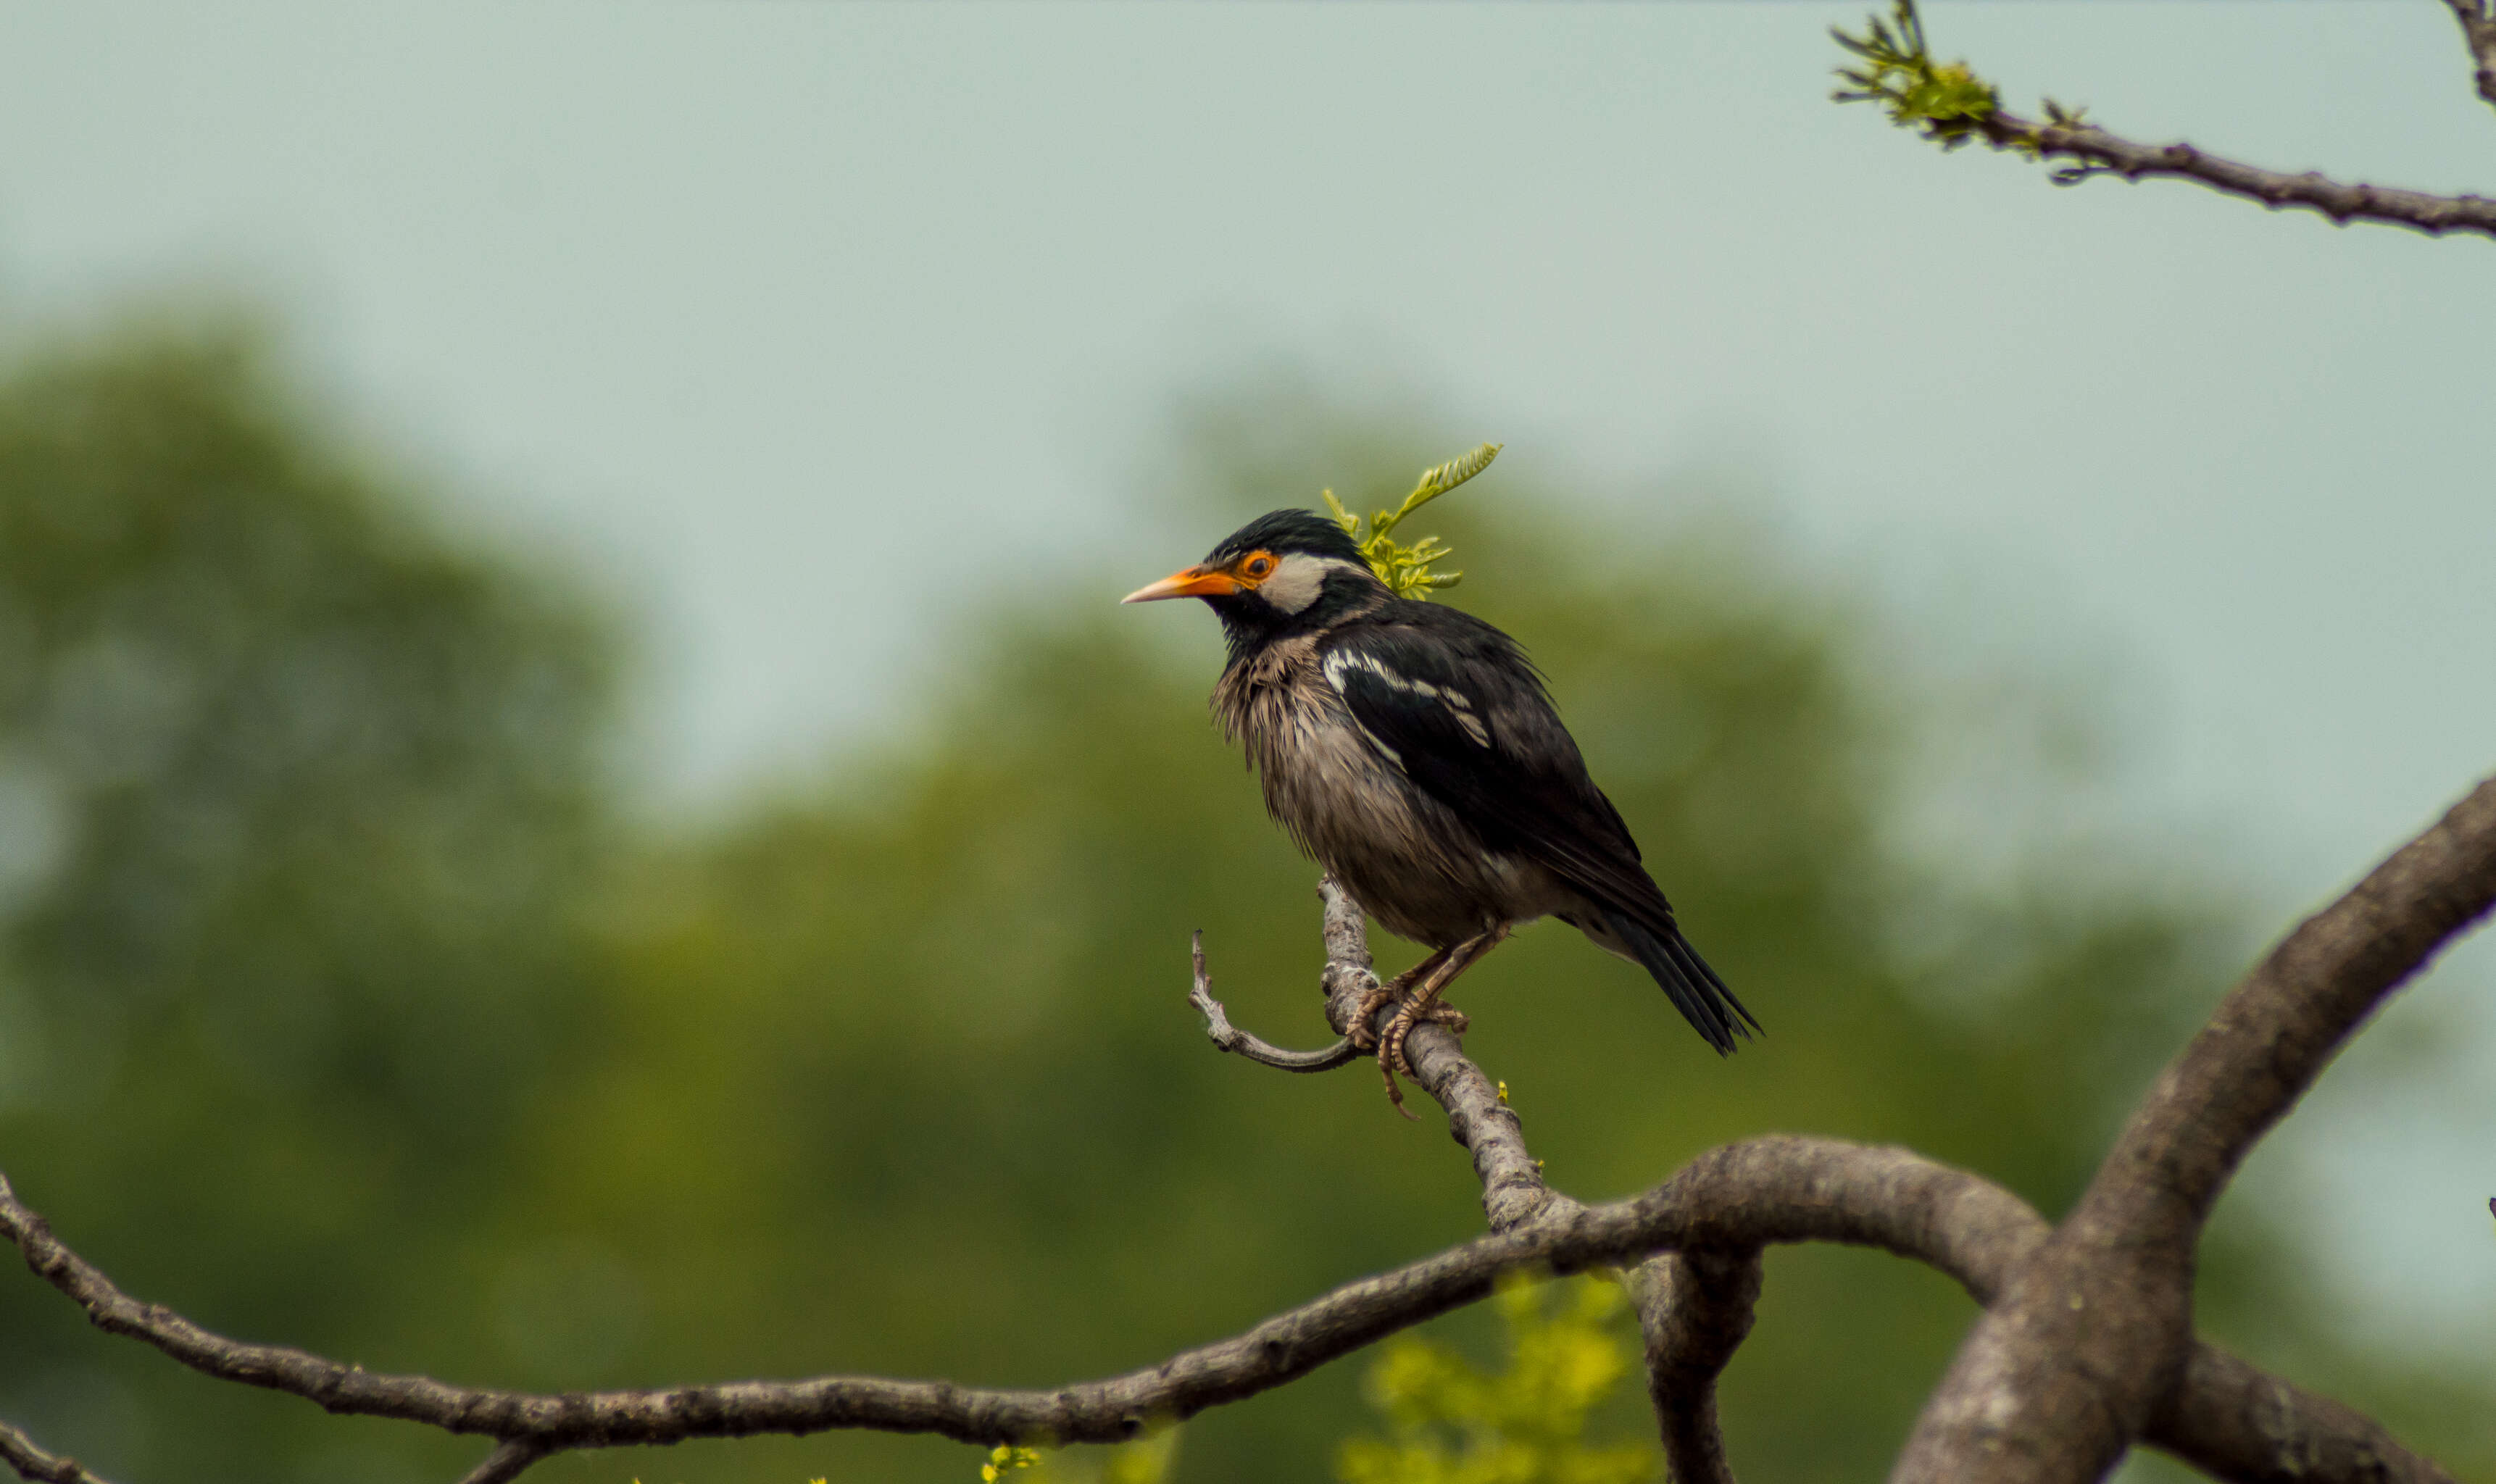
[1258,566]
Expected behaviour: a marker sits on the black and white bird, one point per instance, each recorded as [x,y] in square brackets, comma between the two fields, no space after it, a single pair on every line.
[1412,750]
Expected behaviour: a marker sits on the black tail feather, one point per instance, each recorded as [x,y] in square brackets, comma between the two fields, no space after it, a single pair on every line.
[1688,982]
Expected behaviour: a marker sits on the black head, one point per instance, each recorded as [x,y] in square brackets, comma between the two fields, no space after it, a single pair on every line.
[1287,533]
[1284,571]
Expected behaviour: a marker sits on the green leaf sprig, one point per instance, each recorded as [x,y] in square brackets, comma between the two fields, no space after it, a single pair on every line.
[1948,99]
[1406,570]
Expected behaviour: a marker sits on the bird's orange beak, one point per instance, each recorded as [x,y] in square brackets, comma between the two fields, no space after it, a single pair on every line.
[1194,582]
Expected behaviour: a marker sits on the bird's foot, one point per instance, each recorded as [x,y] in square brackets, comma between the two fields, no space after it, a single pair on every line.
[1391,1055]
[1361,1035]
[1390,1044]
[1436,973]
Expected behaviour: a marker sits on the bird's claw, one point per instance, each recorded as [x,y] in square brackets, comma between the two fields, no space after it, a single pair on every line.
[1392,1052]
[1360,1032]
[1413,1007]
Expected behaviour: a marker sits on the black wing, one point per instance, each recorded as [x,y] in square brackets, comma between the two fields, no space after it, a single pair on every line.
[1454,704]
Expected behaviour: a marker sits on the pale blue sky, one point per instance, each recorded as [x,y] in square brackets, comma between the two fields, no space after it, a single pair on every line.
[729,298]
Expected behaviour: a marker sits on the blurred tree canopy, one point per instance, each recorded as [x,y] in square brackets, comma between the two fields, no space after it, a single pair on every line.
[299,803]
[340,1006]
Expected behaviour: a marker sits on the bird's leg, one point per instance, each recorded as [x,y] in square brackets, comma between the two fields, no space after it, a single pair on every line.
[1424,1006]
[1359,1032]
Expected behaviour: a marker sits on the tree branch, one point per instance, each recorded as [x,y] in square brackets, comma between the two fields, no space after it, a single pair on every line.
[1515,1193]
[1763,1192]
[2062,1375]
[505,1462]
[1226,1037]
[2233,1421]
[2102,153]
[1720,1210]
[1694,1310]
[2477,19]
[1767,1190]
[1949,105]
[18,1452]
[1479,1118]
[2227,1417]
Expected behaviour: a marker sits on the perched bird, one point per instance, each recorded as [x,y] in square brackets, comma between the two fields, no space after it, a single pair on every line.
[1412,750]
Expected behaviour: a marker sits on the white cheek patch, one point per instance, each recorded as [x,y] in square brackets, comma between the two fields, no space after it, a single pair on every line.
[1298,579]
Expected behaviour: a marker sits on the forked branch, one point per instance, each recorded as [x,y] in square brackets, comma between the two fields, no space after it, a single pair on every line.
[2227,1417]
[1718,1212]
[2095,1335]
[2223,1415]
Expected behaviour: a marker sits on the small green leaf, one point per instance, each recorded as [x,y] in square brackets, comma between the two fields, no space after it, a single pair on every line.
[1406,570]
[1945,100]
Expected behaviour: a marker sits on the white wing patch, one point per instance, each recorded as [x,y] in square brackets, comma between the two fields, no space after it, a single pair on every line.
[1460,707]
[1384,750]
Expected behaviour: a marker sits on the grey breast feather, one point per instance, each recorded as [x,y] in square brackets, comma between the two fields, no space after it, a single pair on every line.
[1344,797]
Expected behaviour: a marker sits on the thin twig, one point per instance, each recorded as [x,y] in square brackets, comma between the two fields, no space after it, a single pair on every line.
[1479,1117]
[2095,1334]
[505,1462]
[2102,153]
[1226,1037]
[19,1452]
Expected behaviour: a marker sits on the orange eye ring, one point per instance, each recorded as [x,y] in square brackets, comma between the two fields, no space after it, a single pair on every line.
[1258,568]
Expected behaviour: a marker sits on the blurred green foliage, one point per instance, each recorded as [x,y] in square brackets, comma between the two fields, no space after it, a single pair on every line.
[1148,1460]
[1454,1422]
[338,1004]
[299,803]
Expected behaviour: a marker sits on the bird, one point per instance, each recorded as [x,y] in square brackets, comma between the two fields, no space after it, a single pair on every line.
[1413,750]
